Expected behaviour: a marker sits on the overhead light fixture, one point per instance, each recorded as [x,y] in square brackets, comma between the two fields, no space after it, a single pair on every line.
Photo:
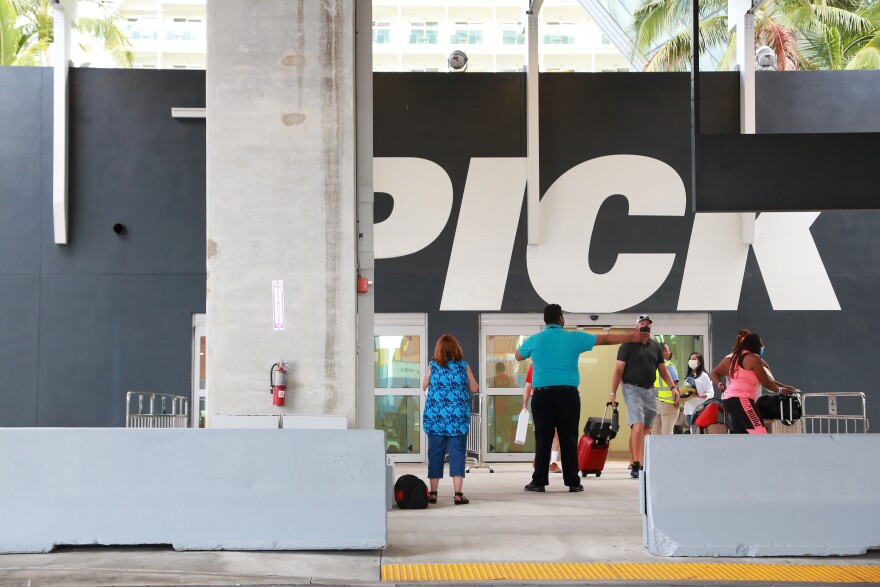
[765,57]
[457,60]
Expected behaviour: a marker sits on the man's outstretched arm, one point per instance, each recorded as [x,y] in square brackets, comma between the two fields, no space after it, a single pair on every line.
[635,336]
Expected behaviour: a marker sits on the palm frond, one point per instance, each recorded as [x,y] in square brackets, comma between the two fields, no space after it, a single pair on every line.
[713,33]
[673,55]
[115,41]
[797,16]
[868,54]
[728,59]
[867,58]
[32,54]
[25,31]
[872,13]
[845,20]
[10,34]
[653,18]
[817,49]
[712,7]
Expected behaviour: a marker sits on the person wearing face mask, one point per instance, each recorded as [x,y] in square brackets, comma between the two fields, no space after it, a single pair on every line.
[723,366]
[556,402]
[636,364]
[746,372]
[667,406]
[698,378]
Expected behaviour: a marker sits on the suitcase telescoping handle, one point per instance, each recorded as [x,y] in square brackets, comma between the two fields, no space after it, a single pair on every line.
[615,416]
[790,397]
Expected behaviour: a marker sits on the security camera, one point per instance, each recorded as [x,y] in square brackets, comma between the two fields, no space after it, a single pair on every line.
[594,317]
[765,57]
[457,60]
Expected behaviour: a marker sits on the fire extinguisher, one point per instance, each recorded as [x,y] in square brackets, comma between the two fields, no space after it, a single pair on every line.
[278,382]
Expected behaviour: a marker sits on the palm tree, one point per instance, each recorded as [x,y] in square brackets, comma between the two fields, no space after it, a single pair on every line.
[26,32]
[654,20]
[806,34]
[25,35]
[856,46]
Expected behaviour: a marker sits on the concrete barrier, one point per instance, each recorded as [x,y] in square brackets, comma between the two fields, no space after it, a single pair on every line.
[194,489]
[306,422]
[237,421]
[772,495]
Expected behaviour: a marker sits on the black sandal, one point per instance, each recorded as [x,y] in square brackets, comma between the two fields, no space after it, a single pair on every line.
[432,497]
[460,499]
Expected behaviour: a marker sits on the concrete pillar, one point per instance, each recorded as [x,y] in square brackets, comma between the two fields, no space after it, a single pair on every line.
[281,204]
[366,267]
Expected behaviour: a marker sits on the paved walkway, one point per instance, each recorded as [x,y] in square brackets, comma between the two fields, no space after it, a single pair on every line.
[502,524]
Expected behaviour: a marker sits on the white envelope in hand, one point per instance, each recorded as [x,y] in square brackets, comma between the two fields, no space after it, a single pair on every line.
[522,427]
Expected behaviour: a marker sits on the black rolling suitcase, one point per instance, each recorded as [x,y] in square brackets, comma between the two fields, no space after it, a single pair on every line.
[593,446]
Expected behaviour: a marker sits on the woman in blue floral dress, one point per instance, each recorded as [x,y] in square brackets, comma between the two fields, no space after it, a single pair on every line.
[447,415]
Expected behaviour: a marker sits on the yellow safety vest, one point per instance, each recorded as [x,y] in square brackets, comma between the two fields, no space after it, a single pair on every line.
[664,393]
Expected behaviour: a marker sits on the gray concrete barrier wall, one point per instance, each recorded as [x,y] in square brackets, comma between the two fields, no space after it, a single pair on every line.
[193,489]
[774,495]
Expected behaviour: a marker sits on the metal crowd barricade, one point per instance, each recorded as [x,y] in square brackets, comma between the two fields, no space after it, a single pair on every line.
[475,434]
[835,418]
[156,410]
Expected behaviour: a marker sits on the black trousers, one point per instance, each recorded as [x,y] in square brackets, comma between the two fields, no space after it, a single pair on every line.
[742,417]
[556,409]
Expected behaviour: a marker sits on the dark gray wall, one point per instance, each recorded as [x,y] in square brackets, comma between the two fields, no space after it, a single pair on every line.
[82,324]
[817,101]
[449,119]
[828,116]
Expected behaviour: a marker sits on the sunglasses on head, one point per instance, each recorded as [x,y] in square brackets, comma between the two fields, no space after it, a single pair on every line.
[644,317]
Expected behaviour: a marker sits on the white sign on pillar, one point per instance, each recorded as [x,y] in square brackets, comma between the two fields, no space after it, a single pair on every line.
[278,305]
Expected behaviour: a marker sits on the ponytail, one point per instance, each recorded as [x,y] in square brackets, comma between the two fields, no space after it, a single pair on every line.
[751,342]
[737,347]
[739,337]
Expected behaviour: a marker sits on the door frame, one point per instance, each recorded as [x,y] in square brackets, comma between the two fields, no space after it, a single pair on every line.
[493,325]
[397,324]
[677,323]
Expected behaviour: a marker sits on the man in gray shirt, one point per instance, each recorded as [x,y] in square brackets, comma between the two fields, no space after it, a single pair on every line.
[637,365]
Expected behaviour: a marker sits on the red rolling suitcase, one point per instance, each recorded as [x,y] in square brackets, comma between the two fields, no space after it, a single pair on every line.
[593,446]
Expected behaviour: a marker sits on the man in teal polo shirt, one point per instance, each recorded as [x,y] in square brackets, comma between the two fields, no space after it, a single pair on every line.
[556,403]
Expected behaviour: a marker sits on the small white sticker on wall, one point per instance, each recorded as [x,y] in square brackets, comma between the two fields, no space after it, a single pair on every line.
[278,305]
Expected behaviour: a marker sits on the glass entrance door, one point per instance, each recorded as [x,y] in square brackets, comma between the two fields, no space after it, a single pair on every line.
[400,357]
[685,334]
[502,382]
[596,370]
[502,334]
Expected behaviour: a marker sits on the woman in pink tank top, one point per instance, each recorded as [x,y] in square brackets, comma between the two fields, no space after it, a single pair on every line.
[747,370]
[720,371]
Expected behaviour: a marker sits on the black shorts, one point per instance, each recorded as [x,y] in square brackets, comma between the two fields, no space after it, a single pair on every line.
[742,418]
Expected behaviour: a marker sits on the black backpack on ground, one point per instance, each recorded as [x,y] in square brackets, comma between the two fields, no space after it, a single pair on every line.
[411,493]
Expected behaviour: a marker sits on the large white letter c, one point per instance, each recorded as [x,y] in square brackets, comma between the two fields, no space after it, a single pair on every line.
[559,265]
